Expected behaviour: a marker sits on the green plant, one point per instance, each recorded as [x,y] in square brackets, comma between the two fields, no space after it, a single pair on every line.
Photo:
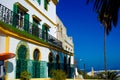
[112,75]
[58,75]
[25,75]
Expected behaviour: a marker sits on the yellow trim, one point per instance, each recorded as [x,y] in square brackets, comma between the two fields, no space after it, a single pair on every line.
[55,2]
[40,55]
[35,17]
[21,7]
[41,12]
[46,25]
[7,50]
[32,41]
[7,43]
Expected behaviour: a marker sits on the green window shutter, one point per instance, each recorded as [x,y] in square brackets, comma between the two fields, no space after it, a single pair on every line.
[46,4]
[43,34]
[15,12]
[46,34]
[26,22]
[39,1]
[35,29]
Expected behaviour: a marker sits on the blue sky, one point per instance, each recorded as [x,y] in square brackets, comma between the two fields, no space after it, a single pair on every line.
[88,34]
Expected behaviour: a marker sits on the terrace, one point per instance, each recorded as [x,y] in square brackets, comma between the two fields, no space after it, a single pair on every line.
[25,28]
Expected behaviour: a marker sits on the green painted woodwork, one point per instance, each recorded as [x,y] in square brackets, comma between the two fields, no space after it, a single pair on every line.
[23,43]
[43,69]
[35,29]
[26,22]
[46,4]
[36,69]
[39,1]
[22,51]
[44,33]
[15,11]
[21,64]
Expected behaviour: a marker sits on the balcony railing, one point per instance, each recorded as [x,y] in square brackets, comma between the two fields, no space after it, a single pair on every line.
[11,18]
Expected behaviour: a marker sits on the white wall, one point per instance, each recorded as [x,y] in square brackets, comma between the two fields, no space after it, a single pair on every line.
[13,46]
[2,43]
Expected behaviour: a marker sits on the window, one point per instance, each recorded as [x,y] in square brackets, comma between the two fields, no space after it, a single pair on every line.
[45,29]
[20,17]
[36,54]
[46,4]
[35,28]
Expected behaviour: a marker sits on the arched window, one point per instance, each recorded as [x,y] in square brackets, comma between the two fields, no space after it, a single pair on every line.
[36,54]
[21,64]
[51,58]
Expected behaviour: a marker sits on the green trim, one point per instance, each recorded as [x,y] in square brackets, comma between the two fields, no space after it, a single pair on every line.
[27,47]
[43,28]
[44,32]
[46,4]
[15,10]
[39,1]
[26,22]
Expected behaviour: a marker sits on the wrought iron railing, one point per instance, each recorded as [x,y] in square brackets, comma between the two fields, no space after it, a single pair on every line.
[9,17]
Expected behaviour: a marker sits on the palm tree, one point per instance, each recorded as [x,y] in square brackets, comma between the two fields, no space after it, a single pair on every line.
[112,75]
[107,11]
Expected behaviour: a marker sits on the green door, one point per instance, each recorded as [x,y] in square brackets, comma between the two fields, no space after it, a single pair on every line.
[21,64]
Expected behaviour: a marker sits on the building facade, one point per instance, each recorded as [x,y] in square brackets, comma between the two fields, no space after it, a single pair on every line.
[29,28]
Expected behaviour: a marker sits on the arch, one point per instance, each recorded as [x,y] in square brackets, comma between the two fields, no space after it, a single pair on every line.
[51,57]
[26,46]
[36,54]
[22,52]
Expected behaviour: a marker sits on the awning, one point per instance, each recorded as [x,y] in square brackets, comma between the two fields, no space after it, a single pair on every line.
[6,55]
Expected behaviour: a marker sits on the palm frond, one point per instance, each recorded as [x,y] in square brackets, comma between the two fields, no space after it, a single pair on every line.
[109,8]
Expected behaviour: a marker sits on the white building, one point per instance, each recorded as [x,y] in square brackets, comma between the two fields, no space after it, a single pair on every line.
[67,41]
[28,29]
